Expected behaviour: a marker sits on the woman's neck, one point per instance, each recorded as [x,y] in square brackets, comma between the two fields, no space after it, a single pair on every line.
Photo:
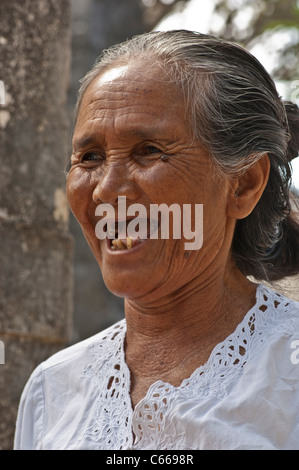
[168,340]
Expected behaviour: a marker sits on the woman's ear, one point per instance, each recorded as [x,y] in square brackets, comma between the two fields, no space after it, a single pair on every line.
[248,188]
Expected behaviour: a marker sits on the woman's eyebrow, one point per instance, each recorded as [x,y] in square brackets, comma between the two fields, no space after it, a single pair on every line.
[147,133]
[83,142]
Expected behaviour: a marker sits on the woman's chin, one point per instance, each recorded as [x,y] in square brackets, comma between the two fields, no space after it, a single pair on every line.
[127,286]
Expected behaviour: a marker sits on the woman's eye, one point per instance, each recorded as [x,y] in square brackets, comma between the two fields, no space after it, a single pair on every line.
[151,150]
[147,154]
[90,156]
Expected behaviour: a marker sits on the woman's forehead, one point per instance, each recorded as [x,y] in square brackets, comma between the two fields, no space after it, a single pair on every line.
[127,95]
[134,78]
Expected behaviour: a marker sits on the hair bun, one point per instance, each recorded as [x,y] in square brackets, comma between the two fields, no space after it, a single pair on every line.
[292,111]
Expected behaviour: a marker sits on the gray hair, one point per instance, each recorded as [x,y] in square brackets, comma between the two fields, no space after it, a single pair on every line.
[237,115]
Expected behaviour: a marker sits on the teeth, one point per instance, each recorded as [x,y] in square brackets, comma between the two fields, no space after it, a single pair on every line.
[129,243]
[118,244]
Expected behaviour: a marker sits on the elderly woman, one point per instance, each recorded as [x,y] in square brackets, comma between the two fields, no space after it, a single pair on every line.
[204,358]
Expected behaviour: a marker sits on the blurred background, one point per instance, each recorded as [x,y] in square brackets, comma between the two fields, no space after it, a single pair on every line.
[51,290]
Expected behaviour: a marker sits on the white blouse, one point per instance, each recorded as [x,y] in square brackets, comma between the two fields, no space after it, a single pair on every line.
[245,397]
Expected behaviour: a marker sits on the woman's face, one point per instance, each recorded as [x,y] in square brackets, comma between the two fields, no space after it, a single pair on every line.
[129,117]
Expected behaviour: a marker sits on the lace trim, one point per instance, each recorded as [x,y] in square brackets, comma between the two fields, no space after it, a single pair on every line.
[115,420]
[112,425]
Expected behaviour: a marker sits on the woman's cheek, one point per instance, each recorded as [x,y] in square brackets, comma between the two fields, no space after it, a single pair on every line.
[79,194]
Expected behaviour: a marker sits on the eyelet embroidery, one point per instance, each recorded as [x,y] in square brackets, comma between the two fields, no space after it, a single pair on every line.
[116,423]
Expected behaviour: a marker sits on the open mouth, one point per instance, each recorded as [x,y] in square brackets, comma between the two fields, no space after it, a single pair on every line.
[125,244]
[119,239]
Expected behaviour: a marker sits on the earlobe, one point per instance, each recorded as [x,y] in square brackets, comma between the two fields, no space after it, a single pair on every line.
[248,189]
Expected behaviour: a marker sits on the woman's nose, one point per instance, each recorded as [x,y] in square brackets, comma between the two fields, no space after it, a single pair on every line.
[115,181]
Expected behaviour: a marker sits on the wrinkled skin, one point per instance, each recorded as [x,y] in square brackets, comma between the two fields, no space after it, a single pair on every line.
[129,116]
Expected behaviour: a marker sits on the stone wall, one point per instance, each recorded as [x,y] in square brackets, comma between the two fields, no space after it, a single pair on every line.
[35,248]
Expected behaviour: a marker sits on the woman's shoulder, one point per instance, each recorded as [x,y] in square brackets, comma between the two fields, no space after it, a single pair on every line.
[275,319]
[279,298]
[275,306]
[57,380]
[80,350]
